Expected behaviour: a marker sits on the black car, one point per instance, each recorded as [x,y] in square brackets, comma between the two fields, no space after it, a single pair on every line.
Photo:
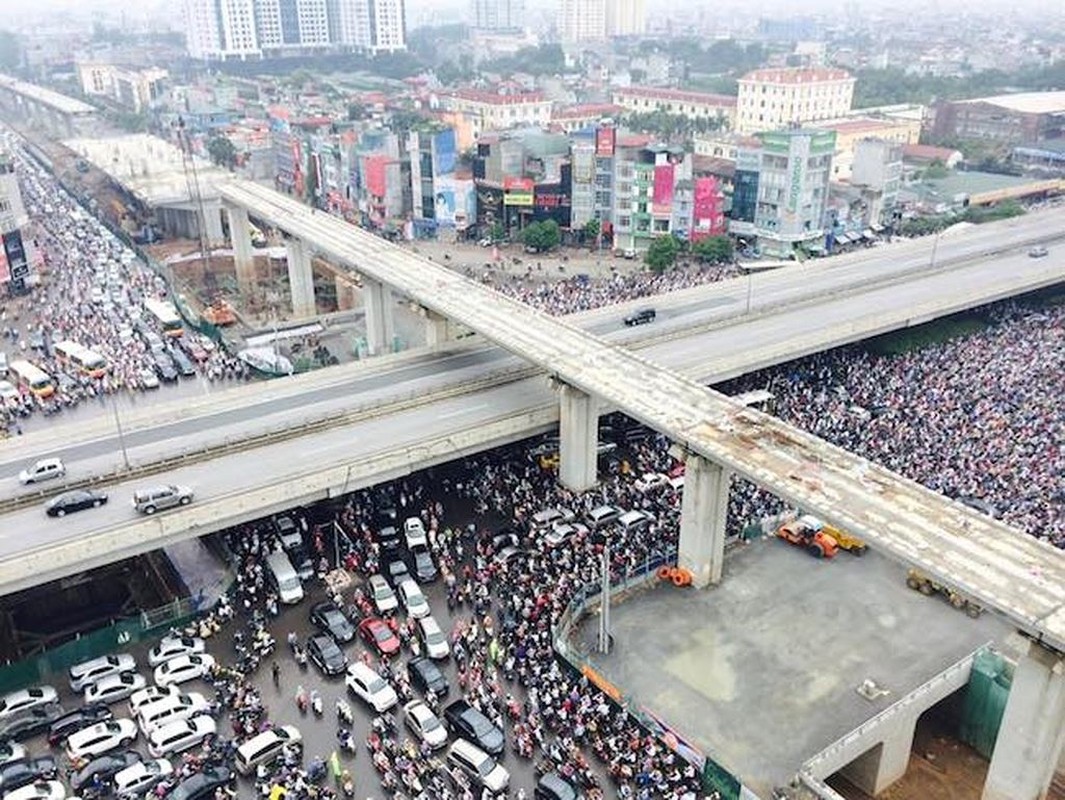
[14,774]
[77,500]
[469,723]
[202,785]
[424,566]
[29,723]
[508,537]
[182,362]
[641,317]
[395,571]
[553,786]
[105,766]
[332,620]
[75,720]
[424,675]
[301,562]
[388,538]
[164,368]
[327,655]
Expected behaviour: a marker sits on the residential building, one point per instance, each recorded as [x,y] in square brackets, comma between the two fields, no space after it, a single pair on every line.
[221,30]
[16,263]
[443,195]
[498,15]
[721,144]
[853,130]
[708,209]
[1028,117]
[581,20]
[626,18]
[388,26]
[584,116]
[474,111]
[774,98]
[693,105]
[878,171]
[582,171]
[653,192]
[781,190]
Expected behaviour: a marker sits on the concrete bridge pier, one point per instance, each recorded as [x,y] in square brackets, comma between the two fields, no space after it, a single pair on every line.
[243,255]
[379,322]
[1033,729]
[702,520]
[437,328]
[578,429]
[300,278]
[877,769]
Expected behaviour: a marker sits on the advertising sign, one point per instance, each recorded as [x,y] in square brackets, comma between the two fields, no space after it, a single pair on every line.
[605,140]
[518,192]
[455,202]
[444,153]
[662,199]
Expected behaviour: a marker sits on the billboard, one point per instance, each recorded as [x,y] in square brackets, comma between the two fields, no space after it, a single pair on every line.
[605,140]
[662,199]
[374,170]
[708,216]
[455,202]
[518,192]
[444,153]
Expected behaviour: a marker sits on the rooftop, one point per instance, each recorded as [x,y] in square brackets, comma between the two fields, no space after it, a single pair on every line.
[1026,102]
[795,75]
[496,98]
[927,152]
[60,102]
[656,93]
[149,168]
[856,125]
[583,110]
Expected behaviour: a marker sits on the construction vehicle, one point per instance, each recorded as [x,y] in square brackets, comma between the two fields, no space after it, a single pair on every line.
[845,541]
[219,313]
[927,585]
[817,543]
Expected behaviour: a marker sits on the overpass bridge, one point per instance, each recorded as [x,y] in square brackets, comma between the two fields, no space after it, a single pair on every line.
[61,115]
[980,555]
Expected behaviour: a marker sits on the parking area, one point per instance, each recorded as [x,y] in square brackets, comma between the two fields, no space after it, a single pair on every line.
[762,671]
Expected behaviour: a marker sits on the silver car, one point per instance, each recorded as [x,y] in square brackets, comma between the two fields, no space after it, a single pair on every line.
[89,672]
[158,498]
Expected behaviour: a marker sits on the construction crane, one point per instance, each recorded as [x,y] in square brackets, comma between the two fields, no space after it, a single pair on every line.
[192,183]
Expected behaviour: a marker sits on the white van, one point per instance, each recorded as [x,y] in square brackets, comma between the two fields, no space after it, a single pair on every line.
[171,709]
[478,766]
[265,747]
[289,588]
[634,520]
[603,515]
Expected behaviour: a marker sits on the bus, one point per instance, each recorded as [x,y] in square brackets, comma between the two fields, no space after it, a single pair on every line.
[165,316]
[86,361]
[30,378]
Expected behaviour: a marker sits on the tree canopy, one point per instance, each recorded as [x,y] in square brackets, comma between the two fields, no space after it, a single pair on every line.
[222,151]
[713,250]
[547,59]
[662,254]
[541,236]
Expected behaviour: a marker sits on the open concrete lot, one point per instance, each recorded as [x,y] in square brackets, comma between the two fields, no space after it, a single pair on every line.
[762,671]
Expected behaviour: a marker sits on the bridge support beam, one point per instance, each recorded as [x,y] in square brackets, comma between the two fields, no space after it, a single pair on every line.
[702,520]
[243,255]
[578,429]
[379,322]
[212,224]
[437,329]
[1033,729]
[345,291]
[877,769]
[300,278]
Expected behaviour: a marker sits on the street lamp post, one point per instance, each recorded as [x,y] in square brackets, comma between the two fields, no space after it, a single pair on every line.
[604,601]
[935,246]
[750,288]
[121,434]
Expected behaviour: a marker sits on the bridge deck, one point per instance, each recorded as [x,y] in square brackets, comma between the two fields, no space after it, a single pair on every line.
[1015,573]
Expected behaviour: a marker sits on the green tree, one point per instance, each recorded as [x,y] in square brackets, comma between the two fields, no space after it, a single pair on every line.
[591,230]
[497,233]
[713,250]
[542,236]
[222,151]
[10,51]
[357,111]
[662,254]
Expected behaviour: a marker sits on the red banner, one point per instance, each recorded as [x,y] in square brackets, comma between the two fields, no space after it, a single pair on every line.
[662,200]
[605,140]
[708,215]
[376,183]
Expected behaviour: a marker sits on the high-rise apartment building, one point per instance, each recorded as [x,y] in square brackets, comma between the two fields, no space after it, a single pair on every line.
[582,20]
[626,17]
[388,26]
[499,15]
[770,99]
[221,29]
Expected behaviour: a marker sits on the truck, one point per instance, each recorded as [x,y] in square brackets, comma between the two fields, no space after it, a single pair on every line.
[844,540]
[927,585]
[817,543]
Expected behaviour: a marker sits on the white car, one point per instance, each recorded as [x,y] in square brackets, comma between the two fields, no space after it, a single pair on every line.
[101,738]
[172,709]
[414,530]
[43,470]
[383,596]
[8,391]
[433,639]
[183,668]
[362,681]
[114,688]
[11,704]
[424,724]
[650,481]
[413,599]
[562,532]
[42,790]
[11,751]
[152,694]
[148,379]
[141,777]
[179,736]
[89,672]
[174,646]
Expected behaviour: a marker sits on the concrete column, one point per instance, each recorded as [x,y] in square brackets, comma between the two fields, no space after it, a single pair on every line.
[702,520]
[875,770]
[1033,729]
[345,290]
[212,221]
[243,255]
[379,323]
[300,278]
[437,329]
[578,439]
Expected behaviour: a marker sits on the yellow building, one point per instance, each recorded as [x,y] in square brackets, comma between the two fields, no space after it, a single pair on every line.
[472,111]
[775,98]
[693,105]
[852,130]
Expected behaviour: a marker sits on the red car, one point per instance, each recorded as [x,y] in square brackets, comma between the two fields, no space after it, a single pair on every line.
[377,634]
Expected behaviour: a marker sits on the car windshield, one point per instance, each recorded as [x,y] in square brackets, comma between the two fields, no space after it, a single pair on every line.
[376,685]
[381,633]
[485,767]
[429,722]
[382,592]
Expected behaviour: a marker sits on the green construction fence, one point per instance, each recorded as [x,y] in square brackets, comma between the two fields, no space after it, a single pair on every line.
[985,701]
